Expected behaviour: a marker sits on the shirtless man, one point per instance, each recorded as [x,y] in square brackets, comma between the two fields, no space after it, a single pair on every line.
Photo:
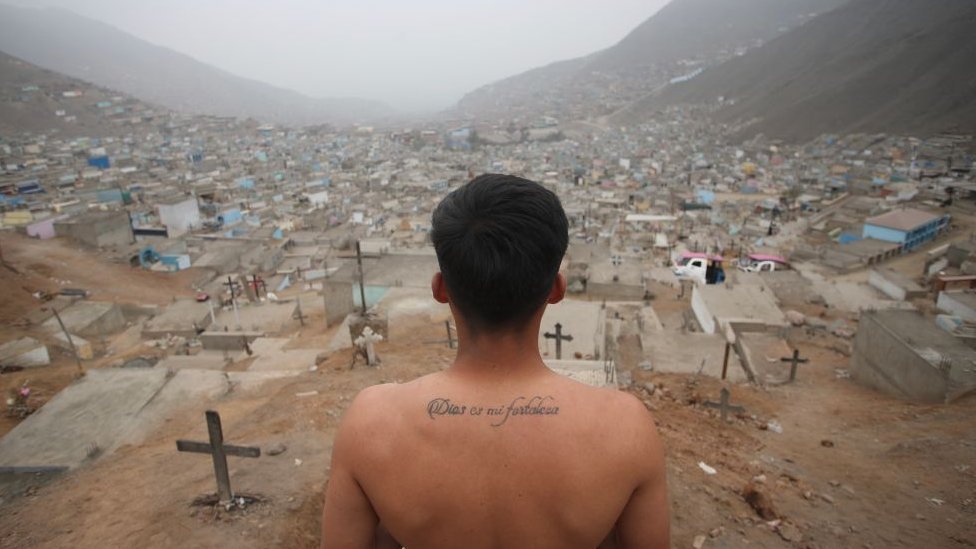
[497,451]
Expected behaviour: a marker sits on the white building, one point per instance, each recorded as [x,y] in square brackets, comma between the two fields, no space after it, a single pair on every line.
[180,215]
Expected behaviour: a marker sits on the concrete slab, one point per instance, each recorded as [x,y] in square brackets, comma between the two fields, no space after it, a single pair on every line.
[848,296]
[894,284]
[763,353]
[717,305]
[25,352]
[267,317]
[181,318]
[906,355]
[184,386]
[689,353]
[589,372]
[82,346]
[92,411]
[584,320]
[111,407]
[195,362]
[88,319]
[271,356]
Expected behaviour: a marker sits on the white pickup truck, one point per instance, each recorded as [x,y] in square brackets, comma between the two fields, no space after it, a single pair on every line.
[762,263]
[701,267]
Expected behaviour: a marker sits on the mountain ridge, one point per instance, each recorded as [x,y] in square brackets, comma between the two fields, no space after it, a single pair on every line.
[870,66]
[97,52]
[653,52]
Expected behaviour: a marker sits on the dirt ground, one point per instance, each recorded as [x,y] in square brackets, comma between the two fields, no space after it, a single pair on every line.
[851,467]
[31,266]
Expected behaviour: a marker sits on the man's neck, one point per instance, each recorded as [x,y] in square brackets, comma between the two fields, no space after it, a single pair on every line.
[505,354]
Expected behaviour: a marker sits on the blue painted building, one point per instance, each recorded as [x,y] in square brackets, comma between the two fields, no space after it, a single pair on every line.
[101,162]
[909,227]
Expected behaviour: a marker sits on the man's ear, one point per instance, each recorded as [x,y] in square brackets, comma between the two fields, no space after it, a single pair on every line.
[438,288]
[558,291]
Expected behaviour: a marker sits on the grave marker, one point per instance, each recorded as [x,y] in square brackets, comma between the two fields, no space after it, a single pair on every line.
[366,341]
[795,361]
[559,337]
[219,452]
[723,406]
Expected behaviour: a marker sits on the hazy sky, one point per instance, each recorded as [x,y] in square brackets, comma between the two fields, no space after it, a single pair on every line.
[413,54]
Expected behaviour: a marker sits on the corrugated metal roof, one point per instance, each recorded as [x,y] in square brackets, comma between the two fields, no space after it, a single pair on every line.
[902,220]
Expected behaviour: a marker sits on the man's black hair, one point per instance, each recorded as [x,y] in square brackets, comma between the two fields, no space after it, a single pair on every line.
[499,242]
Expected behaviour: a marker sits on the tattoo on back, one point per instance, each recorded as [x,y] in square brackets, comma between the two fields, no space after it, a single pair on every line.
[519,406]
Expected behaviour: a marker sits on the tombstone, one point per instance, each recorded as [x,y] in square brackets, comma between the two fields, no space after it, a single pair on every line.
[367,341]
[338,301]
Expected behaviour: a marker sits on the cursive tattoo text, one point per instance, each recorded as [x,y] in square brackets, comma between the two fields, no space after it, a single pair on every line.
[519,406]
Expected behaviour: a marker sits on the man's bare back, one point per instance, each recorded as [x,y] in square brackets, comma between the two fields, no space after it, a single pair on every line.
[523,460]
[497,450]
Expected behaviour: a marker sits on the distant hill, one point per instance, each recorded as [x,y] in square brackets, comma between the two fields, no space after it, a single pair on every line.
[682,35]
[900,66]
[690,29]
[36,100]
[106,56]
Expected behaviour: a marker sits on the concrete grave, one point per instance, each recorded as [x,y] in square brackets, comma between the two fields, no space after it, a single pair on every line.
[91,413]
[89,319]
[181,318]
[894,284]
[82,346]
[338,300]
[585,321]
[590,372]
[717,306]
[270,355]
[906,355]
[25,352]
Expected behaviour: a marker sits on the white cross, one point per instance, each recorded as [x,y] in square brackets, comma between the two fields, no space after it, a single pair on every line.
[365,341]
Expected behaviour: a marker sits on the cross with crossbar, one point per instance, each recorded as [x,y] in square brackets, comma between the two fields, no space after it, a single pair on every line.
[724,406]
[795,361]
[559,337]
[219,451]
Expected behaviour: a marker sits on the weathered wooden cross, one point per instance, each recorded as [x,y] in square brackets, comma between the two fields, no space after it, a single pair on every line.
[795,361]
[559,337]
[219,451]
[724,406]
[362,276]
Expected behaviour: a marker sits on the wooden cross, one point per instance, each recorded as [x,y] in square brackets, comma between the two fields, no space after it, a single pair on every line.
[232,286]
[795,361]
[219,451]
[258,284]
[559,337]
[724,406]
[362,284]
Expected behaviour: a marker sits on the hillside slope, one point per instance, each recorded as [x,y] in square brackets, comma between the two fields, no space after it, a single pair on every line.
[681,36]
[898,66]
[36,100]
[65,42]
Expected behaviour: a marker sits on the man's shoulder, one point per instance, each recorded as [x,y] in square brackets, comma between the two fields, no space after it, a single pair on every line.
[621,403]
[371,402]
